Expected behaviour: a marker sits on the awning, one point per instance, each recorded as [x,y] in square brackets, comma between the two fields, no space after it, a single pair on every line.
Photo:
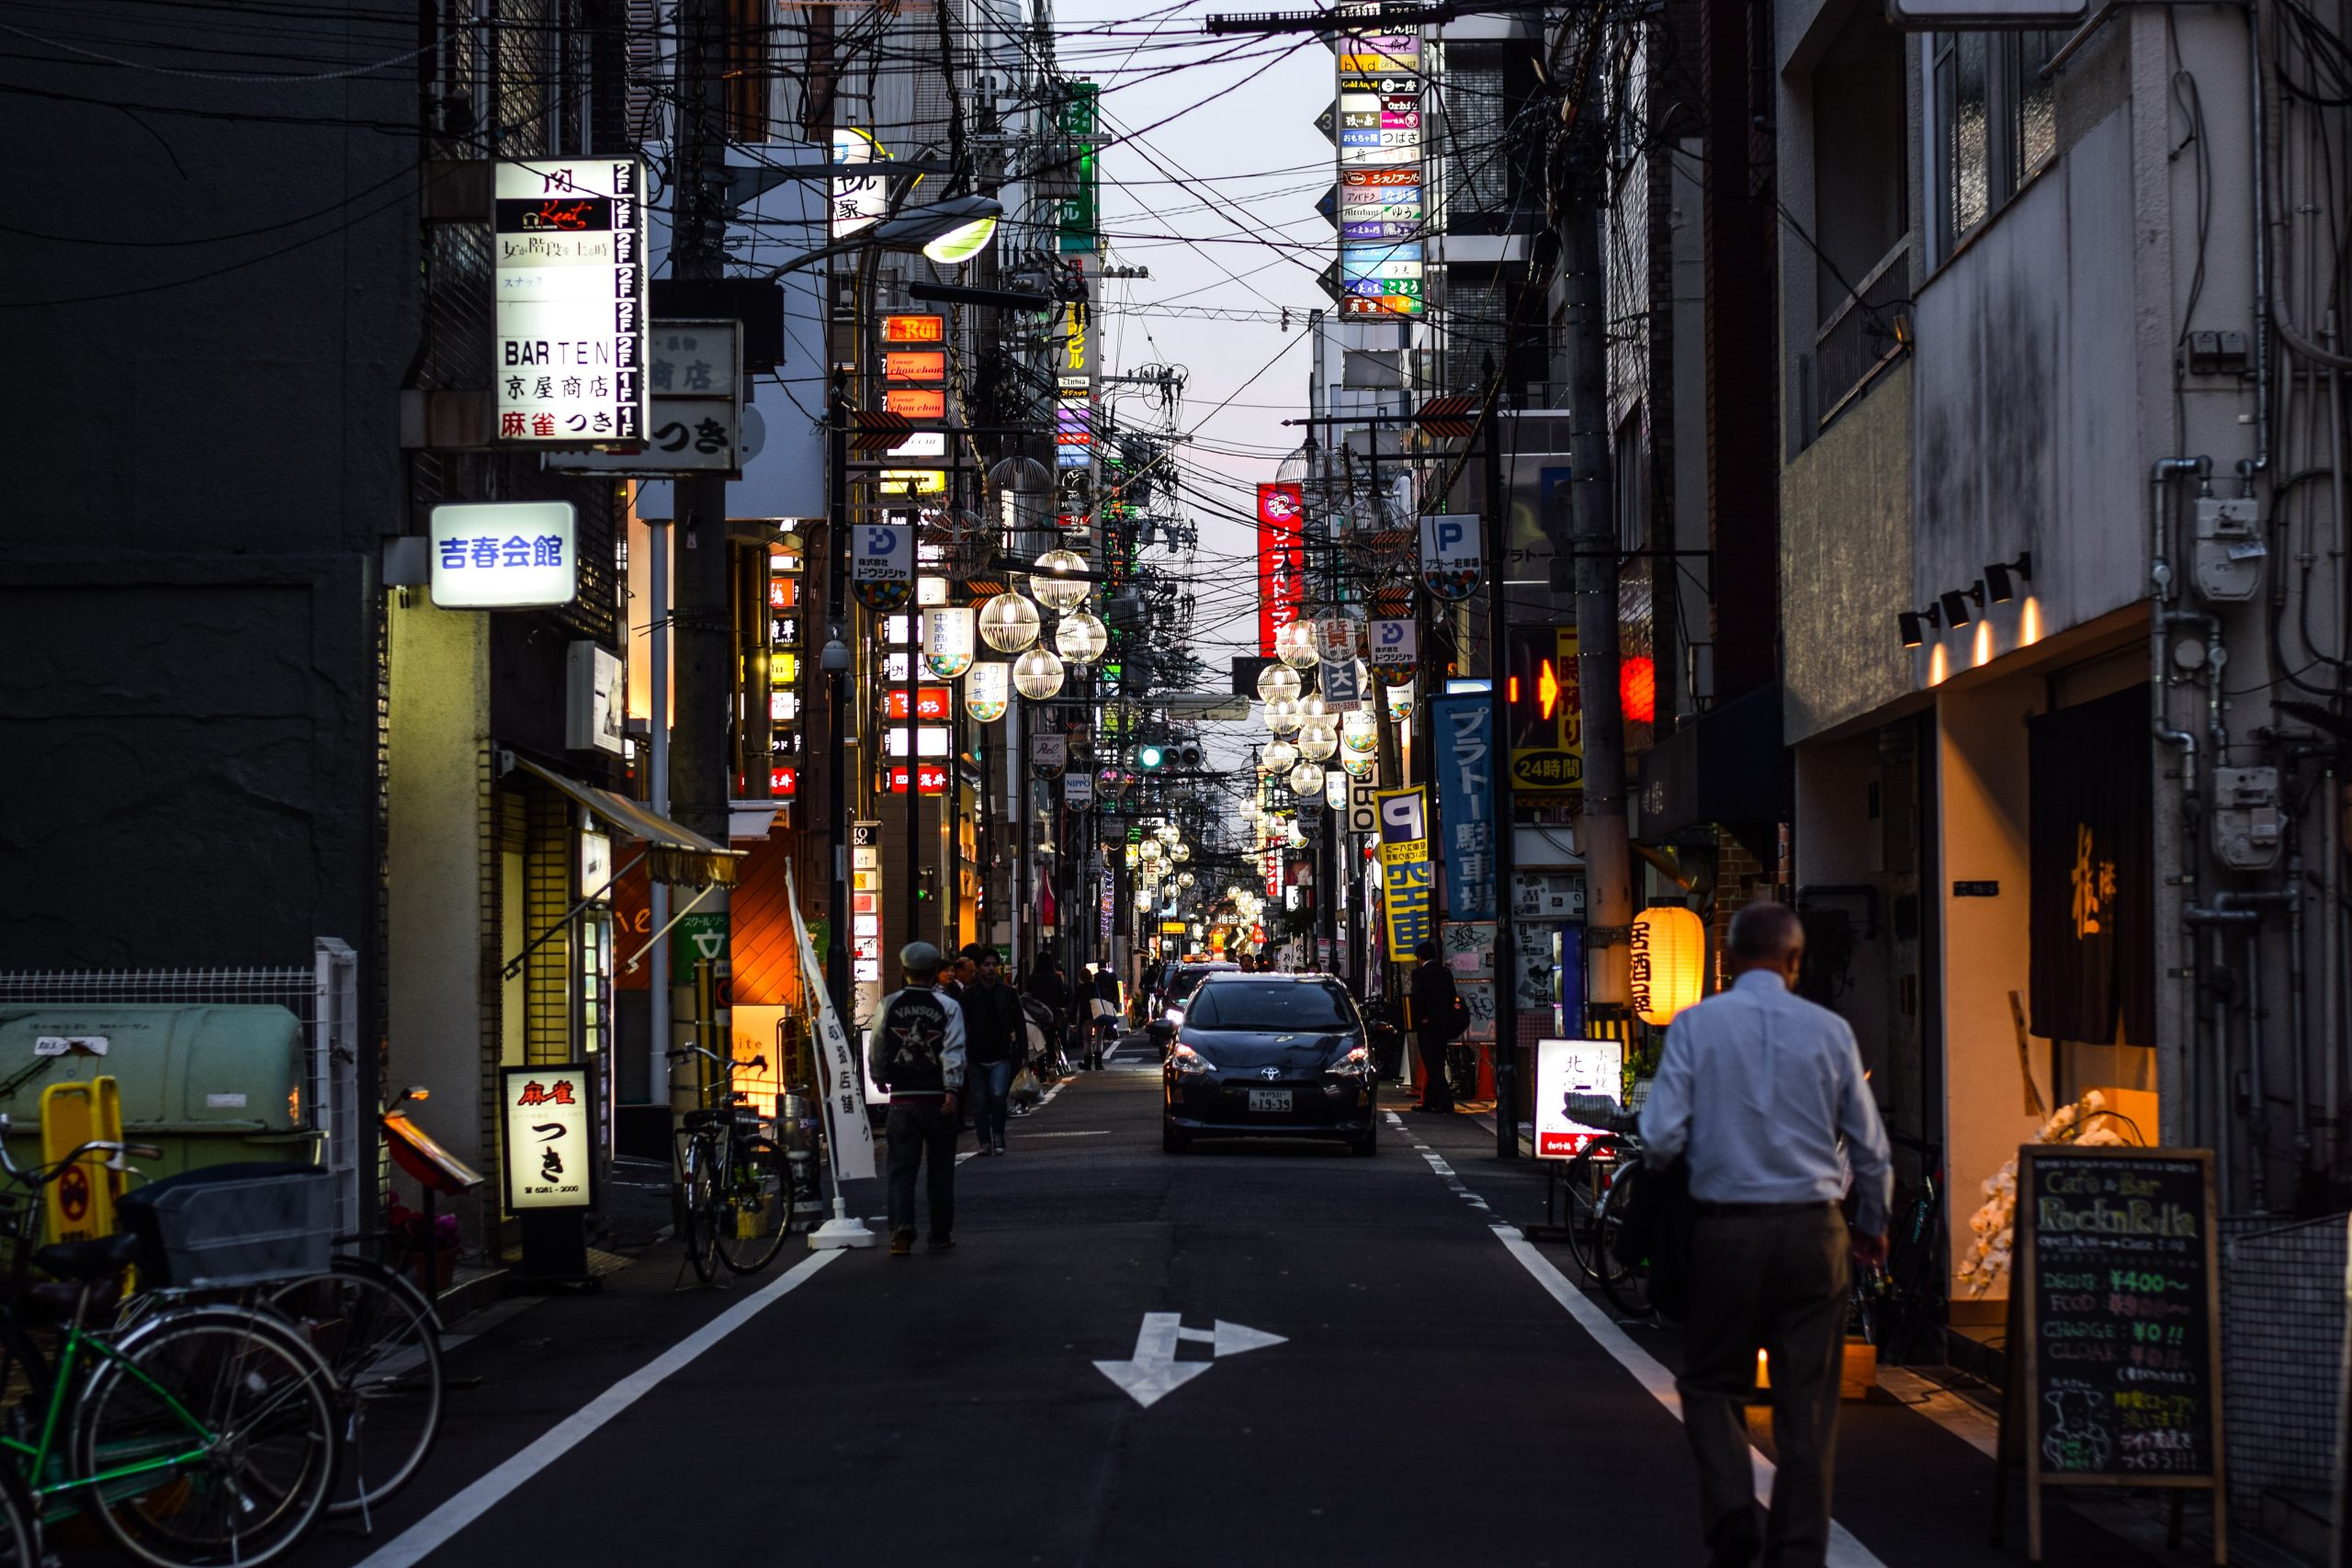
[679,856]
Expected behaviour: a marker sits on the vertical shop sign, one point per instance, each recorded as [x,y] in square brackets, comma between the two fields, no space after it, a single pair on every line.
[1282,560]
[549,1149]
[1405,870]
[568,310]
[1463,727]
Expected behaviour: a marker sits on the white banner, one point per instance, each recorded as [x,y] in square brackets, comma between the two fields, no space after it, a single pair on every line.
[852,1135]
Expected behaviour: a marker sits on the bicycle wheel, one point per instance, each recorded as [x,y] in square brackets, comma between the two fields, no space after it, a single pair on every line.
[757,1206]
[698,1223]
[19,1522]
[1584,1184]
[378,1335]
[218,1429]
[25,1376]
[1625,1282]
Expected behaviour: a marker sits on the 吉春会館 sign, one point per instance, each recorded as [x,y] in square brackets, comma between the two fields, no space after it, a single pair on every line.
[505,555]
[568,360]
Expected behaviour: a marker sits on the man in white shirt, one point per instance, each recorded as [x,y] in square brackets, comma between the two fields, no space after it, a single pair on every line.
[1757,1088]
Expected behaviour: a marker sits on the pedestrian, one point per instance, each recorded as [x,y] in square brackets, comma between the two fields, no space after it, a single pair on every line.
[995,1033]
[1104,1029]
[1434,1000]
[915,1050]
[1755,1088]
[1049,991]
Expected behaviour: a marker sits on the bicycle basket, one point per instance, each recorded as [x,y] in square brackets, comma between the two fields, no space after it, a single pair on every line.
[226,1225]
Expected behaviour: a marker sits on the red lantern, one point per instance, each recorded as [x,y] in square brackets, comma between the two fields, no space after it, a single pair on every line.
[1637,689]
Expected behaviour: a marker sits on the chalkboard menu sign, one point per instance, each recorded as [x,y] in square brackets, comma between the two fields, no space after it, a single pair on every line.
[2114,1323]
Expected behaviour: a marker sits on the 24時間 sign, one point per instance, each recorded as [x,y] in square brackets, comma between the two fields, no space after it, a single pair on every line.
[1282,560]
[570,314]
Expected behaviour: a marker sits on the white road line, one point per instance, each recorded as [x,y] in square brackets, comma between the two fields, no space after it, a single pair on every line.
[414,1543]
[1096,1133]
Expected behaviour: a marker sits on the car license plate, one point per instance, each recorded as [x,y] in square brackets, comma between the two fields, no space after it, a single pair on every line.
[1270,1099]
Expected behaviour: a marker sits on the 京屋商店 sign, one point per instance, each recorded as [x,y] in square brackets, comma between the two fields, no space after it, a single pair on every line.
[569,315]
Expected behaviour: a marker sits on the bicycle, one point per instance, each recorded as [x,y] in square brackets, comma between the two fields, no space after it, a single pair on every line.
[1623,1279]
[201,1435]
[1897,1304]
[1585,1179]
[735,1186]
[381,1338]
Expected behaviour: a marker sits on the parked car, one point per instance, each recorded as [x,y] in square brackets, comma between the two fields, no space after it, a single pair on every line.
[1168,1007]
[1270,1055]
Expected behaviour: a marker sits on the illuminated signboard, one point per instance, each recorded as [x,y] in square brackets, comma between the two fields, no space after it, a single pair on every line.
[916,402]
[931,703]
[783,782]
[914,365]
[860,199]
[898,330]
[1282,562]
[569,313]
[551,1150]
[913,482]
[930,778]
[503,554]
[931,740]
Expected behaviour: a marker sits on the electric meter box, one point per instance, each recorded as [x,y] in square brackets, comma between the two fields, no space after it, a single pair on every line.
[2227,566]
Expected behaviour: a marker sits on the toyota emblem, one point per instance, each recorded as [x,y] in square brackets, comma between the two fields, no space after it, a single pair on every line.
[1271,1073]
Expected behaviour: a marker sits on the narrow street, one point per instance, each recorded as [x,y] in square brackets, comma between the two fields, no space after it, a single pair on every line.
[1431,1399]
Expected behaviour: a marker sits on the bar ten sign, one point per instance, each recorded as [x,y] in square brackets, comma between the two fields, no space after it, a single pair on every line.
[571,302]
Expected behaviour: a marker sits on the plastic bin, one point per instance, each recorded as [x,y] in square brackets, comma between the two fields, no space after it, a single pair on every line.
[229,1225]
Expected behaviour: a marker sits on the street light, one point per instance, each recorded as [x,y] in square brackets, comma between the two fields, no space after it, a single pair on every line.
[1278,683]
[1037,674]
[1081,636]
[1053,588]
[958,226]
[1009,623]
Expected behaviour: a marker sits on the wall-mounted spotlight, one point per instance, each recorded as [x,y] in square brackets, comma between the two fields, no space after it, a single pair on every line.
[2002,576]
[1915,625]
[1956,604]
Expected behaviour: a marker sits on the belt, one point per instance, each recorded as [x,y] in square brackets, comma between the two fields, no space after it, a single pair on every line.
[1759,1211]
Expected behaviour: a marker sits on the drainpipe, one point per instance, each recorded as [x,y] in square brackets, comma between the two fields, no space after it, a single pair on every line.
[2162,588]
[2331,990]
[2244,910]
[2215,919]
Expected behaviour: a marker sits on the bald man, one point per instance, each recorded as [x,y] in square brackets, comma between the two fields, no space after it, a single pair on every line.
[1758,1087]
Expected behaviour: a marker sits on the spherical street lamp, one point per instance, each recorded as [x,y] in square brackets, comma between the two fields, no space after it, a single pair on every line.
[1283,716]
[1278,683]
[1037,674]
[1317,738]
[1307,779]
[1082,637]
[1277,758]
[1294,645]
[1052,588]
[1009,623]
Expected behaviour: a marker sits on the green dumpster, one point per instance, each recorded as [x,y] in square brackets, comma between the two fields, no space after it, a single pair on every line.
[207,1085]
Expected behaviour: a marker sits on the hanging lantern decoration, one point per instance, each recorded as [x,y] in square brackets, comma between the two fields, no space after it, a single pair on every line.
[1082,637]
[1009,623]
[949,640]
[1278,683]
[1312,706]
[1181,854]
[1049,585]
[1670,960]
[1168,832]
[1037,674]
[1307,780]
[1335,790]
[1317,738]
[1283,716]
[1400,704]
[1294,645]
[1185,879]
[987,690]
[1277,758]
[1359,767]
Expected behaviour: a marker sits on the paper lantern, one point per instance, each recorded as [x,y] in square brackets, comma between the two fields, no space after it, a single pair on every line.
[1669,961]
[1317,738]
[1294,645]
[1278,683]
[1277,758]
[1051,588]
[1009,623]
[1307,779]
[1637,689]
[947,640]
[1082,637]
[1037,674]
[987,690]
[1283,716]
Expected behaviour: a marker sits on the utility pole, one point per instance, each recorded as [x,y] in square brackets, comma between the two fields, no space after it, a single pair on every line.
[1498,553]
[838,816]
[1592,568]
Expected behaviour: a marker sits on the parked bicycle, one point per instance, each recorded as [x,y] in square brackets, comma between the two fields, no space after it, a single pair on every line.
[1899,1306]
[734,1184]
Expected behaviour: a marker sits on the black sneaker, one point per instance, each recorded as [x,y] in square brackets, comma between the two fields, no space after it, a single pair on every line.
[942,1244]
[901,1243]
[1000,1145]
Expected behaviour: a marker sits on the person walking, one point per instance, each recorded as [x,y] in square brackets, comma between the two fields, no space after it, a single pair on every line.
[1050,991]
[1104,1030]
[1755,1088]
[995,1033]
[1434,999]
[916,1051]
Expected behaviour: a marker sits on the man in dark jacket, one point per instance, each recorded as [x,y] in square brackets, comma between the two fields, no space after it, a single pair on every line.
[994,1033]
[1433,1001]
[1047,988]
[915,1049]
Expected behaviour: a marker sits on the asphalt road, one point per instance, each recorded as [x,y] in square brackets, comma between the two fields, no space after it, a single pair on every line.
[1439,1394]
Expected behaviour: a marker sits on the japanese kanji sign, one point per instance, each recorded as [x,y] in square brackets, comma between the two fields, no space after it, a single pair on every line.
[549,1144]
[503,554]
[1464,731]
[694,421]
[1282,560]
[570,322]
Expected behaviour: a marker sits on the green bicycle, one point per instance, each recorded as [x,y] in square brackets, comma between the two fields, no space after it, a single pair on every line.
[199,1437]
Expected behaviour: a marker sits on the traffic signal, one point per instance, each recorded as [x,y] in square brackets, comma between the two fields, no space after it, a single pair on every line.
[1149,758]
[1188,755]
[1546,718]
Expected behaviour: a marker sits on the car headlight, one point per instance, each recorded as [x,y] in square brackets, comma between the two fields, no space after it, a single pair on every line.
[1356,1063]
[1189,1063]
[1176,1016]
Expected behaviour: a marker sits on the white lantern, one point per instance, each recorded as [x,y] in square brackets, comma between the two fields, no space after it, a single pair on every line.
[1335,790]
[1317,738]
[1053,590]
[1312,706]
[1184,879]
[987,690]
[1277,758]
[1081,636]
[1037,674]
[1278,683]
[1283,716]
[1181,854]
[1307,779]
[1009,623]
[1294,645]
[947,640]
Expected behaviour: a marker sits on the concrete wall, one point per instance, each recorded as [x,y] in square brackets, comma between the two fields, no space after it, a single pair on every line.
[1845,550]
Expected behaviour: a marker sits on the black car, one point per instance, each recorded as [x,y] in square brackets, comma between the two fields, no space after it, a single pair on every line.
[1274,1055]
[1168,1014]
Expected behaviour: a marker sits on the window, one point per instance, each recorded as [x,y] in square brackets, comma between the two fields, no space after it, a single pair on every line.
[1271,1005]
[1996,124]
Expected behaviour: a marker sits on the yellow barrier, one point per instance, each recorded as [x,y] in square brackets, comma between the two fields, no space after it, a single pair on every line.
[80,1203]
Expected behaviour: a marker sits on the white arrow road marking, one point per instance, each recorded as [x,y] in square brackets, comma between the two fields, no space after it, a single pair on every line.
[1155,1373]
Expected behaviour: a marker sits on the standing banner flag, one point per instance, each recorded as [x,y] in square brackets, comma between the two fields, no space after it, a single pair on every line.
[1282,560]
[1405,874]
[1451,560]
[1464,727]
[852,1135]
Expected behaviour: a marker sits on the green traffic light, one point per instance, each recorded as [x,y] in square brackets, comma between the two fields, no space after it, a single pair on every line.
[1151,757]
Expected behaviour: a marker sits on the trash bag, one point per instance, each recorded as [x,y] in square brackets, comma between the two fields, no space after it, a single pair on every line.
[1026,1090]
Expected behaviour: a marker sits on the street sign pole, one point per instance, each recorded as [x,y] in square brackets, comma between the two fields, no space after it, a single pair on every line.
[1497,656]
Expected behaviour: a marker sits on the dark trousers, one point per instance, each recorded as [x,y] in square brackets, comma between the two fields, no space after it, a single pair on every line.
[989,1086]
[918,1128]
[1776,1282]
[1436,1087]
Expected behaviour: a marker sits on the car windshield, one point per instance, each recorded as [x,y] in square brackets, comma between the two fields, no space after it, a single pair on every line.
[1271,1005]
[1188,980]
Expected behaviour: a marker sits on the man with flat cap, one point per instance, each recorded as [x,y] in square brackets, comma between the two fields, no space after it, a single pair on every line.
[915,1050]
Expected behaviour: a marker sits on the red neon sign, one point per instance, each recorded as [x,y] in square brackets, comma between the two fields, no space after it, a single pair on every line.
[931,703]
[1282,560]
[931,777]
